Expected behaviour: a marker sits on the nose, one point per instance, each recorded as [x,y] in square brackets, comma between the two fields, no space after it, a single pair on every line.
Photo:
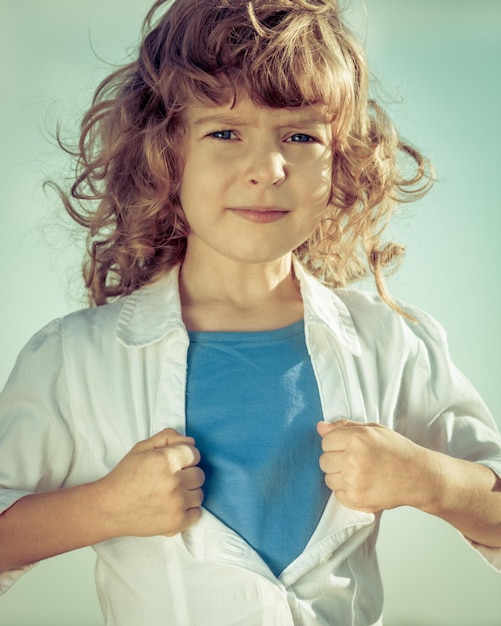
[266,167]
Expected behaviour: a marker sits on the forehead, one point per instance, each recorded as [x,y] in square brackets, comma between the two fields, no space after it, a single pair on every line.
[245,111]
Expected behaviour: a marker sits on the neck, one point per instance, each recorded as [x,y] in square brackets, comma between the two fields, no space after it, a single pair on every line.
[235,296]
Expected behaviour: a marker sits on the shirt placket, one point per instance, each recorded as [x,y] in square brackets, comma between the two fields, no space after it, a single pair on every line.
[171,397]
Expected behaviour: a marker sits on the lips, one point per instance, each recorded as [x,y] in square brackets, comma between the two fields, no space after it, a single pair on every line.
[260,214]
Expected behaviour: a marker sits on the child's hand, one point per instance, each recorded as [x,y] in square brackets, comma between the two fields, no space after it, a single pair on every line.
[155,489]
[372,468]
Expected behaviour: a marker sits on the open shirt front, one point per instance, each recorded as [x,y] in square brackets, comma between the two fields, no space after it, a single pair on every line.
[89,386]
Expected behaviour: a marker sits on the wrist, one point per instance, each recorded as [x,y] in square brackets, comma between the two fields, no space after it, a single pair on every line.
[447,484]
[86,504]
[431,494]
[101,499]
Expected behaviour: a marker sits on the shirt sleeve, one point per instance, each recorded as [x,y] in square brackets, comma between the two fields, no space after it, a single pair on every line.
[36,433]
[444,412]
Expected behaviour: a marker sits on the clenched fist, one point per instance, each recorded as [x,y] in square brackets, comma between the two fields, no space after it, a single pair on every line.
[372,468]
[156,487]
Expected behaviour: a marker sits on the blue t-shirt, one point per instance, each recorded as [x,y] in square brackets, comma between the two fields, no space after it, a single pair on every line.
[252,406]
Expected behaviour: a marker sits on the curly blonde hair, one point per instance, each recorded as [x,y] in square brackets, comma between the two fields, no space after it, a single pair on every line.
[282,53]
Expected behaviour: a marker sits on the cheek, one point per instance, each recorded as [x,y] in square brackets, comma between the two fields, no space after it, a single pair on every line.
[318,177]
[192,182]
[319,185]
[202,176]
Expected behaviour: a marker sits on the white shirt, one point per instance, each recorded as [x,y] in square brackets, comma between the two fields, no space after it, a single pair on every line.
[87,387]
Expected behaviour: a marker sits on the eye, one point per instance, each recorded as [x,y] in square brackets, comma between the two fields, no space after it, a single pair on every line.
[223,134]
[301,138]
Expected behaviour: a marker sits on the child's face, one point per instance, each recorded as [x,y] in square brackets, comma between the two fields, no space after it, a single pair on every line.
[256,181]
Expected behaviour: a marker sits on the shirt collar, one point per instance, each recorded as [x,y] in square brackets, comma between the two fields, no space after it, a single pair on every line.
[151,313]
[322,306]
[154,311]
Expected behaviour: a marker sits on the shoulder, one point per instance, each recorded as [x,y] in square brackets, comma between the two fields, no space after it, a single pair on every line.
[405,366]
[138,320]
[366,324]
[367,308]
[96,322]
[381,328]
[73,333]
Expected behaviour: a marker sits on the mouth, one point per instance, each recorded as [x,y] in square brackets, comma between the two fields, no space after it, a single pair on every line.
[260,214]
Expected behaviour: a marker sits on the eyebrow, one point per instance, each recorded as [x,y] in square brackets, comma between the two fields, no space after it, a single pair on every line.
[219,118]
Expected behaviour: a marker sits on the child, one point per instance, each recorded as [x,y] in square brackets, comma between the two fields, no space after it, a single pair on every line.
[237,152]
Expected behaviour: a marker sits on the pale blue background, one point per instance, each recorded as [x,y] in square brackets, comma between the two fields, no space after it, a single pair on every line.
[444,58]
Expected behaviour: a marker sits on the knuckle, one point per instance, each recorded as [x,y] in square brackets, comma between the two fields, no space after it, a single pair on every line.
[175,456]
[199,496]
[200,476]
[184,454]
[196,455]
[170,431]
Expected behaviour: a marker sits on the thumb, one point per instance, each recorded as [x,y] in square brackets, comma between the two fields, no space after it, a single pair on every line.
[164,438]
[323,428]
